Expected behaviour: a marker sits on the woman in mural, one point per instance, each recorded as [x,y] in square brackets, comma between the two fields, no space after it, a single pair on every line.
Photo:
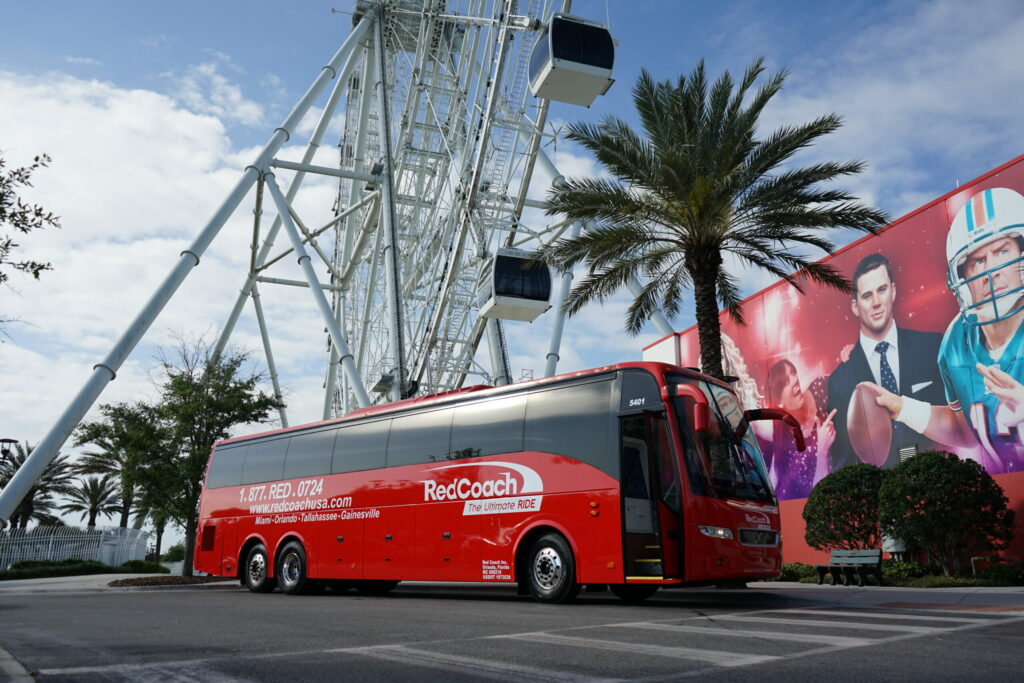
[793,472]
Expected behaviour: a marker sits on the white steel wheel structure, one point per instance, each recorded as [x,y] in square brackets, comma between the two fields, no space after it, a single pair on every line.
[441,141]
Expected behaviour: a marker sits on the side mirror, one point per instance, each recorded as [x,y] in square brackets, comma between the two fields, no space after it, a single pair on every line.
[700,414]
[776,414]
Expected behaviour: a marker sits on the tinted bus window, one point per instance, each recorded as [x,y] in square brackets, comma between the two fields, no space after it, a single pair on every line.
[488,428]
[226,467]
[361,447]
[574,421]
[309,454]
[639,391]
[420,437]
[264,461]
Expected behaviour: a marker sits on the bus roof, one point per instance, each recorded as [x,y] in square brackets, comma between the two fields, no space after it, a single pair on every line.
[452,396]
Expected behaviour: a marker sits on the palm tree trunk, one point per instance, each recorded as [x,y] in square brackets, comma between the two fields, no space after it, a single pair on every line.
[704,270]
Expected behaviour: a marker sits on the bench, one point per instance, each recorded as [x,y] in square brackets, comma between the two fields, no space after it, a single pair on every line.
[842,564]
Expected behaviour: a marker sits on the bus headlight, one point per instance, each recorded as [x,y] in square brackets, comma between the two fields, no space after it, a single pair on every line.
[721,532]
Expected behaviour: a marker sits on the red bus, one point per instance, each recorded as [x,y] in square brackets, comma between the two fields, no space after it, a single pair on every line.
[633,476]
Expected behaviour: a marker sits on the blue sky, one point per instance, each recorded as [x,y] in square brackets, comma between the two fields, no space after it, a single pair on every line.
[151,110]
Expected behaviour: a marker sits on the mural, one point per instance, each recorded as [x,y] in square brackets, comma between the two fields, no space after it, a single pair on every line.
[927,353]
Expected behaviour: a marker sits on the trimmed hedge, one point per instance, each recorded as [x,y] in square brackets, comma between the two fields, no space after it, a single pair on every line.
[41,569]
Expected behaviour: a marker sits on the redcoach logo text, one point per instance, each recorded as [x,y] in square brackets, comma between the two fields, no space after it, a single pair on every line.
[484,484]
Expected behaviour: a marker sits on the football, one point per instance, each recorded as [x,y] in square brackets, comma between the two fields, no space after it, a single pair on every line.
[869,426]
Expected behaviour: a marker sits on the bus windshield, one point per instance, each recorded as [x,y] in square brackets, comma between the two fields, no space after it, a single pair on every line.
[722,464]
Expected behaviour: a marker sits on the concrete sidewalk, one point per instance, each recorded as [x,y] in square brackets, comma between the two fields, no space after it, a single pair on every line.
[88,583]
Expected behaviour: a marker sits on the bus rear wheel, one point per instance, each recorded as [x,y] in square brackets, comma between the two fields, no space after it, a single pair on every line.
[255,574]
[632,592]
[292,569]
[551,570]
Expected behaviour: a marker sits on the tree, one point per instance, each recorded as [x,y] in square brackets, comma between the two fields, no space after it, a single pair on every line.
[201,398]
[121,440]
[18,216]
[94,496]
[949,507]
[842,510]
[56,480]
[696,183]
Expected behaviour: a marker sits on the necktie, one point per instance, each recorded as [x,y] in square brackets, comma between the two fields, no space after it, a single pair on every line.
[888,378]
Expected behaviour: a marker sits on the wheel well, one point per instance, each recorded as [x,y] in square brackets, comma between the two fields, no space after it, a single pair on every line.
[523,551]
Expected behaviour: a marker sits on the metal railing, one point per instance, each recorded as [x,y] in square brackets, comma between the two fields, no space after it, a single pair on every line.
[112,546]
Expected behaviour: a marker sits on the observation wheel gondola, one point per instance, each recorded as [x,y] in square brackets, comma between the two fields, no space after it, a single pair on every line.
[572,61]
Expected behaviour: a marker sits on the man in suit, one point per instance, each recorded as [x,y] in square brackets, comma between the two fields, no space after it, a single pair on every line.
[900,360]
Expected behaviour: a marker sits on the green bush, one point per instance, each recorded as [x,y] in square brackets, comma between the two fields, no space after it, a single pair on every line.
[949,507]
[797,571]
[842,510]
[1010,574]
[143,567]
[176,553]
[42,569]
[893,569]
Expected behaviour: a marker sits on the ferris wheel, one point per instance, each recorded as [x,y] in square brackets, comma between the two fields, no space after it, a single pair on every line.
[428,252]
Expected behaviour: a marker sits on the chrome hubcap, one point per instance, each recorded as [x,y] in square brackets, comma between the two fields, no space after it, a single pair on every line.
[547,568]
[257,568]
[290,568]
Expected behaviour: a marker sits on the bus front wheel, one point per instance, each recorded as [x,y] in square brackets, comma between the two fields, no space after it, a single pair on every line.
[291,569]
[552,570]
[255,574]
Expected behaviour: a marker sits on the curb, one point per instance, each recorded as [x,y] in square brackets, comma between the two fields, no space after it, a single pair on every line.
[12,670]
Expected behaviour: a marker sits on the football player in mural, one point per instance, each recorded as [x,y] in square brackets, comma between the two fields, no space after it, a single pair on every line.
[982,354]
[885,355]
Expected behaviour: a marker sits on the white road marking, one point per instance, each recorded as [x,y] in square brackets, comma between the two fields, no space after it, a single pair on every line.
[836,641]
[922,630]
[880,615]
[486,668]
[717,657]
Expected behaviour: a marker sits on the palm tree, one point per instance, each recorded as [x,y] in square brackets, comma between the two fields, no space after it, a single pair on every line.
[120,443]
[92,497]
[695,184]
[57,480]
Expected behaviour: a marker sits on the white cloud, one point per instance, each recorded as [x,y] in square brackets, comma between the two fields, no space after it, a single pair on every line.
[203,89]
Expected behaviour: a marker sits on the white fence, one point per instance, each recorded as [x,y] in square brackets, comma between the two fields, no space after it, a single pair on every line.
[112,546]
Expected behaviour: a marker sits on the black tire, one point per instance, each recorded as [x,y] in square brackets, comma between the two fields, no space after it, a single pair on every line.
[255,574]
[633,592]
[375,587]
[292,570]
[551,570]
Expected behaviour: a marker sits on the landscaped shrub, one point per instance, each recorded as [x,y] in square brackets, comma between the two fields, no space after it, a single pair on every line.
[1011,574]
[951,508]
[894,569]
[176,553]
[795,571]
[143,567]
[842,510]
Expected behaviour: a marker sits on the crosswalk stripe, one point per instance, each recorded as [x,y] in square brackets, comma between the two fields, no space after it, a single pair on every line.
[717,657]
[486,668]
[836,641]
[880,615]
[832,624]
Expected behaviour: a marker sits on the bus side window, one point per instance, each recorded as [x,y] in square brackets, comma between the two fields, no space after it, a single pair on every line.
[309,454]
[420,437]
[574,421]
[226,466]
[488,428]
[361,447]
[264,461]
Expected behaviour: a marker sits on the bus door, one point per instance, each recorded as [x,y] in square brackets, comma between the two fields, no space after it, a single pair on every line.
[652,522]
